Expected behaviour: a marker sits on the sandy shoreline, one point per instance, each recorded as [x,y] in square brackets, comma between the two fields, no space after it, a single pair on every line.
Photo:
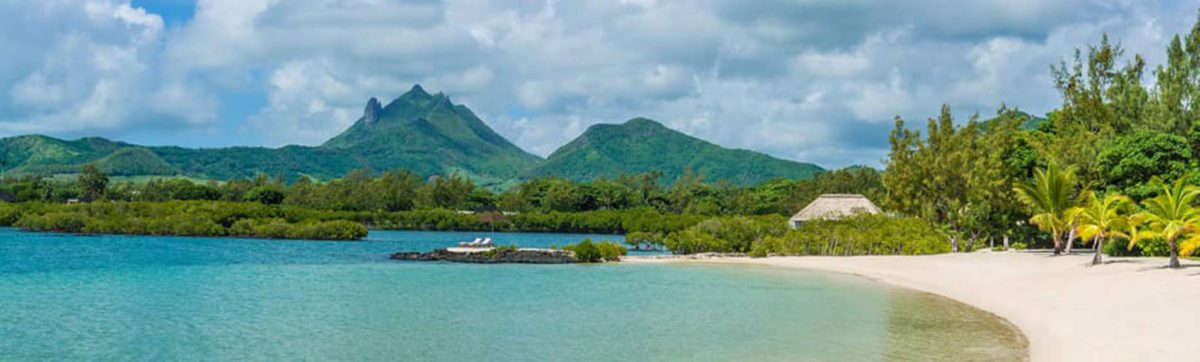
[1128,309]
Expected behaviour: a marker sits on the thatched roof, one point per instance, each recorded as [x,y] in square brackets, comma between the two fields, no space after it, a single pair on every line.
[836,206]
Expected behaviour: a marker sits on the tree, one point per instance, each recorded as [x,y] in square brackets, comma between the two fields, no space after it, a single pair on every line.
[1102,218]
[1171,216]
[956,177]
[93,181]
[1131,160]
[1050,197]
[266,195]
[1101,99]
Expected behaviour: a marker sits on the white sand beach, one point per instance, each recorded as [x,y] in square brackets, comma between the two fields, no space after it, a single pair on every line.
[1129,309]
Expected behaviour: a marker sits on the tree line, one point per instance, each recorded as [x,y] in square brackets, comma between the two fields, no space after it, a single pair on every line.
[1111,162]
[401,190]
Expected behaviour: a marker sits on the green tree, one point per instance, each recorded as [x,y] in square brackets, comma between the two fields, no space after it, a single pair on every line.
[1050,197]
[1103,218]
[1131,160]
[266,195]
[1171,216]
[1101,99]
[93,181]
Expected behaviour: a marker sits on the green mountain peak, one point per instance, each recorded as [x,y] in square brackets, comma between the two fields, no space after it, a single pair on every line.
[643,145]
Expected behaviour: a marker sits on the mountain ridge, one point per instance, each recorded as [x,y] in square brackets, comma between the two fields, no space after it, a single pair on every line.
[424,133]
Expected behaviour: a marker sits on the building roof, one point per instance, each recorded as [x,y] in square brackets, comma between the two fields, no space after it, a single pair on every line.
[836,206]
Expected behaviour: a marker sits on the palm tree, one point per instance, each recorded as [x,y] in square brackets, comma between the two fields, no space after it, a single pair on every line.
[1050,197]
[1102,218]
[1171,216]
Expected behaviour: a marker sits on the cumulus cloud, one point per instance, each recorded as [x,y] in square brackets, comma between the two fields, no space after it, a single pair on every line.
[811,80]
[99,73]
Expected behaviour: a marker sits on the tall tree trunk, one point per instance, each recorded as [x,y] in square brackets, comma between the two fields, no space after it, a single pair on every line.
[1070,240]
[1174,255]
[1099,249]
[1006,241]
[1058,245]
[954,244]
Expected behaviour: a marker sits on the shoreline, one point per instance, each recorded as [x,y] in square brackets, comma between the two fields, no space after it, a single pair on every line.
[1068,310]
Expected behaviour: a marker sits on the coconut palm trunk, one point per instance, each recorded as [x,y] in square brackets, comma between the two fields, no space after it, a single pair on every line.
[1070,240]
[1174,264]
[1099,249]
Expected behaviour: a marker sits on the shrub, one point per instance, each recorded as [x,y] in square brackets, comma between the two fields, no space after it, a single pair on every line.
[66,222]
[265,195]
[611,251]
[1018,246]
[1144,247]
[9,214]
[585,251]
[861,235]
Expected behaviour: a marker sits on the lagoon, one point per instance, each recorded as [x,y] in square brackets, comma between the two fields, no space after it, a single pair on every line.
[69,297]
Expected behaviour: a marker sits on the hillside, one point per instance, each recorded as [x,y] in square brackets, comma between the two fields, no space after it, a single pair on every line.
[642,145]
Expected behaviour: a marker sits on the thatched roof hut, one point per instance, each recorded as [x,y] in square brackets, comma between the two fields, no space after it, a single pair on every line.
[834,206]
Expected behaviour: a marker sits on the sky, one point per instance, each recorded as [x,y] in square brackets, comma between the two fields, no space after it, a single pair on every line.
[808,80]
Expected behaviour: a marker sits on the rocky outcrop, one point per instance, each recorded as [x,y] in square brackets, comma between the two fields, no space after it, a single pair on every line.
[371,113]
[520,256]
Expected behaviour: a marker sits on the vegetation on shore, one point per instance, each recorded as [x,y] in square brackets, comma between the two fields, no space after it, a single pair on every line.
[1111,163]
[588,251]
[178,218]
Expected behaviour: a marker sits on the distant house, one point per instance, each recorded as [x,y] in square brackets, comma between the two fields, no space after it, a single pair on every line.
[832,207]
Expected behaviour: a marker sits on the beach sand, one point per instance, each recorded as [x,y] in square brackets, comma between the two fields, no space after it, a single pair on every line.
[1128,309]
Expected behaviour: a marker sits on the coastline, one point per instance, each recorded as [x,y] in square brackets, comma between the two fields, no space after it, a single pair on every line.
[1125,309]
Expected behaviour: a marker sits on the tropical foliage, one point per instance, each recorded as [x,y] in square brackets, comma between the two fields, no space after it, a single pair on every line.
[1172,216]
[1102,218]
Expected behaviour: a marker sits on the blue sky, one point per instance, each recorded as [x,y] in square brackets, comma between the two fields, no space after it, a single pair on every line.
[808,80]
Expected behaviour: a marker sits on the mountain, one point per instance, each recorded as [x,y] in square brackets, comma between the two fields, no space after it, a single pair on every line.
[429,134]
[642,145]
[424,133]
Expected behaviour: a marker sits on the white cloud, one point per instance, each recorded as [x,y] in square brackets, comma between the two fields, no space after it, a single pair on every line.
[814,80]
[99,74]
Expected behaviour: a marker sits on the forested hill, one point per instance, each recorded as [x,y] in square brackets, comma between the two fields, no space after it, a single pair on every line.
[641,145]
[423,133]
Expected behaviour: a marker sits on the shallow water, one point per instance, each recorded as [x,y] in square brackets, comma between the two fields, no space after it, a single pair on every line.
[65,297]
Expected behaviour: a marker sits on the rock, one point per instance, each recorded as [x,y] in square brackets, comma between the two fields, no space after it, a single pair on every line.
[520,256]
[371,113]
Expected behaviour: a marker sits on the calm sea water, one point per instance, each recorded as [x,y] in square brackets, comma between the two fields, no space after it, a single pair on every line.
[65,297]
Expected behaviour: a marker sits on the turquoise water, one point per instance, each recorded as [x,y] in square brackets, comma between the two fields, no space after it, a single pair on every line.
[65,297]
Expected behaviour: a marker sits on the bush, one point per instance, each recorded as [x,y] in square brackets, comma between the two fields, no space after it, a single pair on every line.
[585,251]
[610,251]
[861,235]
[726,234]
[1018,246]
[265,195]
[9,214]
[1144,247]
[66,222]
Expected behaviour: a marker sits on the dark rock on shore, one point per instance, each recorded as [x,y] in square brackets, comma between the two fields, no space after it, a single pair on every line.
[521,256]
